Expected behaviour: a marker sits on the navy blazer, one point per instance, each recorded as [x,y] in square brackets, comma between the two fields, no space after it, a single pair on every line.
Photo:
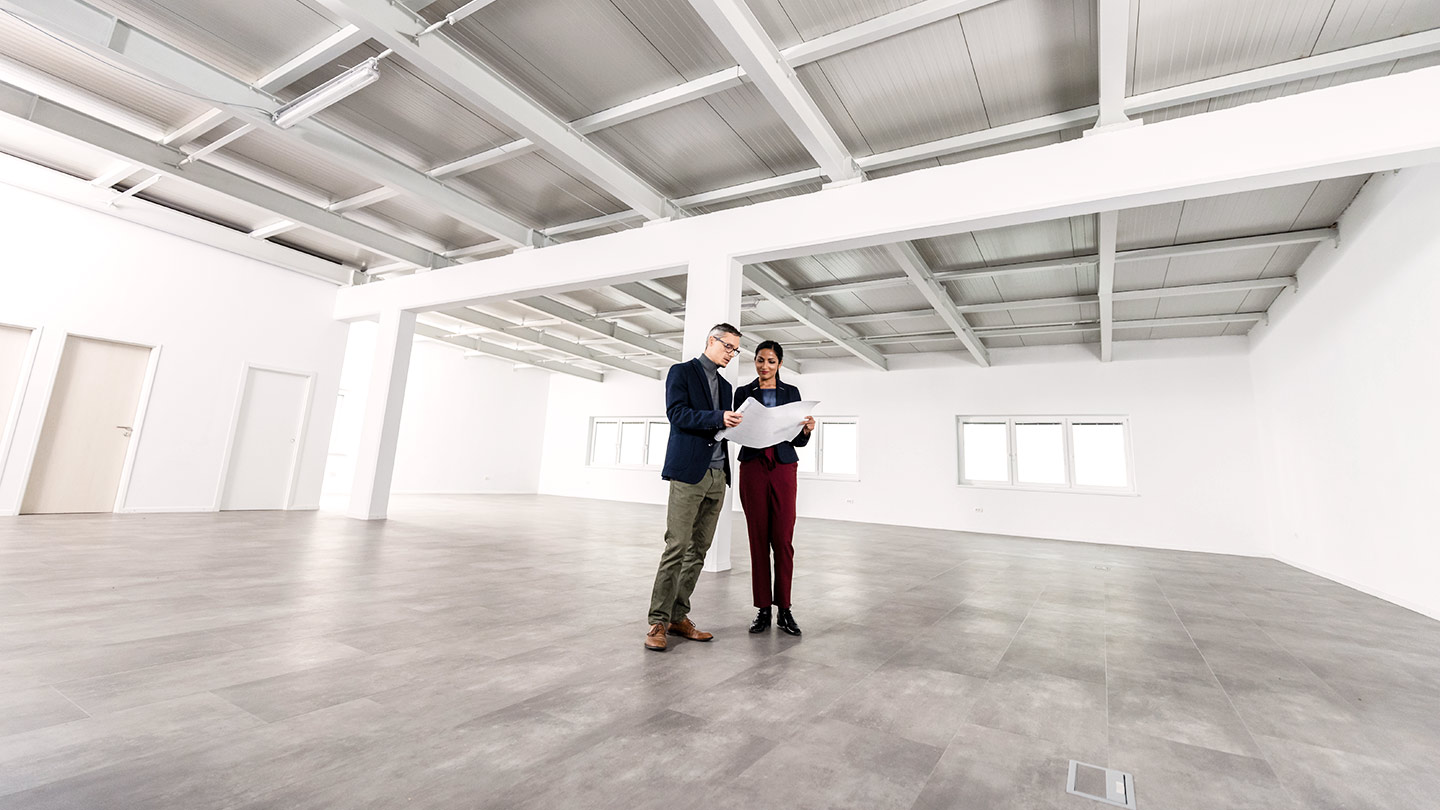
[693,422]
[784,395]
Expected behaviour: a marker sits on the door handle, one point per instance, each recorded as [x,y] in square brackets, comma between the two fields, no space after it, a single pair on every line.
[125,428]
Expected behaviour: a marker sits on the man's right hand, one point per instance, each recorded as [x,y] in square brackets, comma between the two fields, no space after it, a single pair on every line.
[732,418]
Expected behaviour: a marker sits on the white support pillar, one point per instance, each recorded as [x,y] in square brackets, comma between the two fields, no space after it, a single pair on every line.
[375,460]
[712,295]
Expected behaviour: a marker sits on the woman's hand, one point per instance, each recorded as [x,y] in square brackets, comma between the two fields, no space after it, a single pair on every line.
[809,424]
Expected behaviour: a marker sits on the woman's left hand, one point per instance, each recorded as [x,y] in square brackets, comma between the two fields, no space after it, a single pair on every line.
[809,424]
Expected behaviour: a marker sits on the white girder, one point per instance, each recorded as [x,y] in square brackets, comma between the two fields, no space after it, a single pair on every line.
[1089,260]
[737,28]
[918,272]
[1094,326]
[761,278]
[456,69]
[540,338]
[1340,131]
[117,42]
[56,185]
[505,353]
[1106,227]
[1113,33]
[62,121]
[588,322]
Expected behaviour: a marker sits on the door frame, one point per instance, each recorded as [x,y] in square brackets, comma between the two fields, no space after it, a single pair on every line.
[142,407]
[12,422]
[235,412]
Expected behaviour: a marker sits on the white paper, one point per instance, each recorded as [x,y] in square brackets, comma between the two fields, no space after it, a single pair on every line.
[765,427]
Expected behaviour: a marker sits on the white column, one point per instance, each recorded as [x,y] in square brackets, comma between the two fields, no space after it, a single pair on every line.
[375,459]
[712,295]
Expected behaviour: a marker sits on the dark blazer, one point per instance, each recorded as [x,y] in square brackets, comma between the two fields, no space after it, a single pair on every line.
[693,422]
[784,395]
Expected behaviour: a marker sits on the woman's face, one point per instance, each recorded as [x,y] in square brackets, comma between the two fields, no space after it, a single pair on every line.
[767,365]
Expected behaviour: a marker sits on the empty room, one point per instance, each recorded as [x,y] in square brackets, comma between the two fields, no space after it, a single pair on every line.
[805,404]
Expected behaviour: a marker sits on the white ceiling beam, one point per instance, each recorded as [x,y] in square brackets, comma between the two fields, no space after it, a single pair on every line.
[540,338]
[882,27]
[1375,53]
[1113,24]
[1279,282]
[652,300]
[1106,227]
[1019,130]
[117,42]
[505,353]
[763,186]
[217,144]
[273,229]
[322,53]
[57,185]
[760,277]
[457,69]
[196,128]
[603,221]
[1340,131]
[1094,326]
[61,121]
[121,171]
[590,323]
[1270,240]
[362,199]
[737,28]
[913,264]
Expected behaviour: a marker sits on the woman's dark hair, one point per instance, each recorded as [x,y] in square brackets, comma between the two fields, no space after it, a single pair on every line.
[772,346]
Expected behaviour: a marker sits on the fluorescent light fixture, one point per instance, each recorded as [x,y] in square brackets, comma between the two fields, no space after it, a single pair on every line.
[352,80]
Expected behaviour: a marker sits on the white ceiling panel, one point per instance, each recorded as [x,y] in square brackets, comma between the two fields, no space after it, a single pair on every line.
[535,190]
[726,139]
[1210,268]
[1033,57]
[1137,310]
[1021,243]
[1197,331]
[445,229]
[1151,226]
[1056,339]
[148,100]
[909,89]
[790,21]
[1356,22]
[1269,210]
[331,248]
[309,167]
[575,57]
[1180,41]
[245,39]
[1140,275]
[405,114]
[1184,306]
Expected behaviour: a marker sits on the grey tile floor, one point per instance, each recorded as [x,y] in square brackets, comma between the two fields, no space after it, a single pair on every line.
[478,652]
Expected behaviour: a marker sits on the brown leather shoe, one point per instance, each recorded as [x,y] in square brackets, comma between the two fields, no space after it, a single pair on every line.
[687,629]
[655,639]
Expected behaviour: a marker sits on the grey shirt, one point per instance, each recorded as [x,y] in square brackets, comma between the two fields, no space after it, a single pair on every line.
[712,376]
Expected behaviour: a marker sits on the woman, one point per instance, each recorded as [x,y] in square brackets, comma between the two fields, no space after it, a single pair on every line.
[767,491]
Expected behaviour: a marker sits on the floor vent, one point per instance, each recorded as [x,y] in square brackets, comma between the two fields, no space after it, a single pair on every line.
[1101,784]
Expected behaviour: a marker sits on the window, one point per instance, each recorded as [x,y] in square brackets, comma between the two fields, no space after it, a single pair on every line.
[628,441]
[834,449]
[1077,453]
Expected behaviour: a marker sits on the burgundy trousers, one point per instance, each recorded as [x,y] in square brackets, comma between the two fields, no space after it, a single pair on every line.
[767,491]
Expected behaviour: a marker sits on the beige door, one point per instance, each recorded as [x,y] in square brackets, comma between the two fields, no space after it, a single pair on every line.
[14,345]
[87,428]
[269,433]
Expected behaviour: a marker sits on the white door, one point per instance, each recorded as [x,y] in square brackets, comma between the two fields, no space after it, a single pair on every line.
[267,441]
[87,428]
[14,346]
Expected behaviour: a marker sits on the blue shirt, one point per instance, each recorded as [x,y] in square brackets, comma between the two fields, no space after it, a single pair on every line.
[767,397]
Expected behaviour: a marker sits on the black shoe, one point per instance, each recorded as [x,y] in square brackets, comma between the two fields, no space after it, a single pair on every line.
[786,621]
[762,621]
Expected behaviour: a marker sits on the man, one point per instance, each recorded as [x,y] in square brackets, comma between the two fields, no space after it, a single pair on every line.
[697,401]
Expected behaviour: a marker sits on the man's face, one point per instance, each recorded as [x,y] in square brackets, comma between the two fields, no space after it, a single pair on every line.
[721,349]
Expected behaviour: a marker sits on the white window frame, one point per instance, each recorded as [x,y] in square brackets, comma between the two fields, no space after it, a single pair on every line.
[619,422]
[817,438]
[1130,488]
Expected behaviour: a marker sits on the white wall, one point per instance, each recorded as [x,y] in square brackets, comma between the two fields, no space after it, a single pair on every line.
[68,269]
[469,425]
[1191,413]
[1347,382]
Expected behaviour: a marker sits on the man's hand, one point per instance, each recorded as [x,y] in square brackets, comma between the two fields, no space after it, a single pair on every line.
[809,424]
[732,418]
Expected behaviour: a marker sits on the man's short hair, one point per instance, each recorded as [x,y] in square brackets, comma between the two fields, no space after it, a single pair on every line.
[724,329]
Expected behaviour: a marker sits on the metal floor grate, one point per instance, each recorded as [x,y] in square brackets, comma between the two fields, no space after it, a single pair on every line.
[1101,784]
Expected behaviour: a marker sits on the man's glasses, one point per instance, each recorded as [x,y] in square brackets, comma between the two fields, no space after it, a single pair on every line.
[728,348]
